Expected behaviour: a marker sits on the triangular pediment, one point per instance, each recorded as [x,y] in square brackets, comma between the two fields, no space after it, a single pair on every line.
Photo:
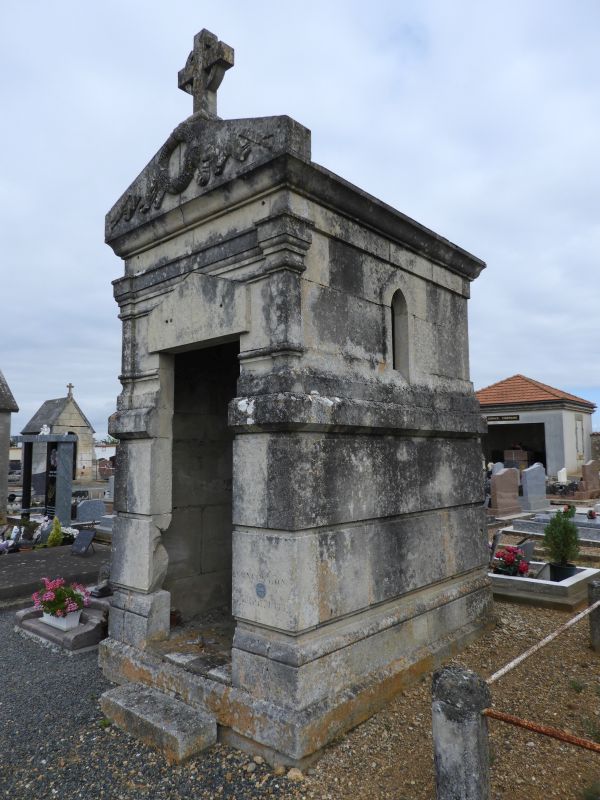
[199,155]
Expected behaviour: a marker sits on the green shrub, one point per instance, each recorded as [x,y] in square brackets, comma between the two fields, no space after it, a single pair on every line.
[561,540]
[56,537]
[592,792]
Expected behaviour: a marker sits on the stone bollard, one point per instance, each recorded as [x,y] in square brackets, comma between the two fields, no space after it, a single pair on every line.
[593,595]
[460,735]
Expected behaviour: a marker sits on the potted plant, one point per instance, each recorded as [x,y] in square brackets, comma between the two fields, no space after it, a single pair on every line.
[510,560]
[61,605]
[561,542]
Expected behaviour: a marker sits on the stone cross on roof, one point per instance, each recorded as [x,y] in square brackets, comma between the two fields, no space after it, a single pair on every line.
[70,388]
[204,70]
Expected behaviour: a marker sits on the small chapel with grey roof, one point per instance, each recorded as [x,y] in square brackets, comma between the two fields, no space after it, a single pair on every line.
[63,415]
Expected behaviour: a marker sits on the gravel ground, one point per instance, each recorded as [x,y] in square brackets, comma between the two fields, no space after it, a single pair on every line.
[55,742]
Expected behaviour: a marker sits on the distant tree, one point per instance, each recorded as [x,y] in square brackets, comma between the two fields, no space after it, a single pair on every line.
[110,440]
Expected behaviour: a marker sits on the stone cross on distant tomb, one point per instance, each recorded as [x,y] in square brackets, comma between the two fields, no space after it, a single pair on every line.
[204,70]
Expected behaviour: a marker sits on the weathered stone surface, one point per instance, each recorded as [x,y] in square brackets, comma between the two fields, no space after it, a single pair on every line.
[160,721]
[211,152]
[298,431]
[139,618]
[201,308]
[460,734]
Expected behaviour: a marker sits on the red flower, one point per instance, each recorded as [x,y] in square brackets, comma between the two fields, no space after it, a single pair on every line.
[523,567]
[509,558]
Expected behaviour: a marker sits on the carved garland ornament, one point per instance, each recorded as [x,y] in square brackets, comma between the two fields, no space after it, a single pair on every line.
[204,162]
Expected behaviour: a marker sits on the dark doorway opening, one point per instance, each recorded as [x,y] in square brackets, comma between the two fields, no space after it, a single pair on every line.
[528,436]
[198,540]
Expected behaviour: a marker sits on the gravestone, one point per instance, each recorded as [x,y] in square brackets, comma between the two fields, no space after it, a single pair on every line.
[299,441]
[104,528]
[498,467]
[57,478]
[82,543]
[561,475]
[590,476]
[90,511]
[533,481]
[505,493]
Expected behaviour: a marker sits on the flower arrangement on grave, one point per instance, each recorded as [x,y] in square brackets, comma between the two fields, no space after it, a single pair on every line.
[58,600]
[55,538]
[510,560]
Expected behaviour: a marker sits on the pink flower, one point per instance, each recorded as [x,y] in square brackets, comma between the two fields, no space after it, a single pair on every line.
[59,613]
[48,596]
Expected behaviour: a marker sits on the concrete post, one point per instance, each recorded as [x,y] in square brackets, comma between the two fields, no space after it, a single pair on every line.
[594,616]
[460,735]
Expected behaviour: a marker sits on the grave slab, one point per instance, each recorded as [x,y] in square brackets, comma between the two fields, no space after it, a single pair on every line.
[91,630]
[541,591]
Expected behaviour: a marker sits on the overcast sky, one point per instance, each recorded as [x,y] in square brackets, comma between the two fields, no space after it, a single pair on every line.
[479,120]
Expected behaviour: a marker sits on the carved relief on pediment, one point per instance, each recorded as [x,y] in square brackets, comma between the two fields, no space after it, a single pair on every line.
[190,153]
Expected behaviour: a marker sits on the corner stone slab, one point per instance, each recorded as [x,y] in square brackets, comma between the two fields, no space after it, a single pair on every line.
[172,727]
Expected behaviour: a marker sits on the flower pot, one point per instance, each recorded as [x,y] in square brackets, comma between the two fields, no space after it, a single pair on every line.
[560,572]
[62,623]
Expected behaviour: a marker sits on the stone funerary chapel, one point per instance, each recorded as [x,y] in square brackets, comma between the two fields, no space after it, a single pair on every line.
[300,458]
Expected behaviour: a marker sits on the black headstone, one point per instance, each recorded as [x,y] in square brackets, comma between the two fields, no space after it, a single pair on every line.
[82,543]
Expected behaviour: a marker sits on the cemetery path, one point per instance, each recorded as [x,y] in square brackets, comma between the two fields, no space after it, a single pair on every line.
[55,744]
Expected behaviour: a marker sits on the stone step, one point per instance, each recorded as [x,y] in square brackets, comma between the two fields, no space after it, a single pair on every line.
[177,730]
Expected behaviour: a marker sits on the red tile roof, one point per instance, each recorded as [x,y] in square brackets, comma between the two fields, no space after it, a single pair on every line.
[519,389]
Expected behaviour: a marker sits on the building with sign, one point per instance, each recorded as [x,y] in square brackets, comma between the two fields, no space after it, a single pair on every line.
[529,421]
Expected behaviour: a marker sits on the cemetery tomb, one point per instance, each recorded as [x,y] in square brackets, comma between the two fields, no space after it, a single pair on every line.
[59,417]
[298,477]
[529,421]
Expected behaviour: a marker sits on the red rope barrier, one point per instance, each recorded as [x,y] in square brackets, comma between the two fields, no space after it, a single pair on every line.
[545,730]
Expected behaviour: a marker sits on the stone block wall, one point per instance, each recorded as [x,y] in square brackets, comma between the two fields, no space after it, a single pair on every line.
[198,540]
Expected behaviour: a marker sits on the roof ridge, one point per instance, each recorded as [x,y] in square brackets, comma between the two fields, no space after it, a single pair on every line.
[551,392]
